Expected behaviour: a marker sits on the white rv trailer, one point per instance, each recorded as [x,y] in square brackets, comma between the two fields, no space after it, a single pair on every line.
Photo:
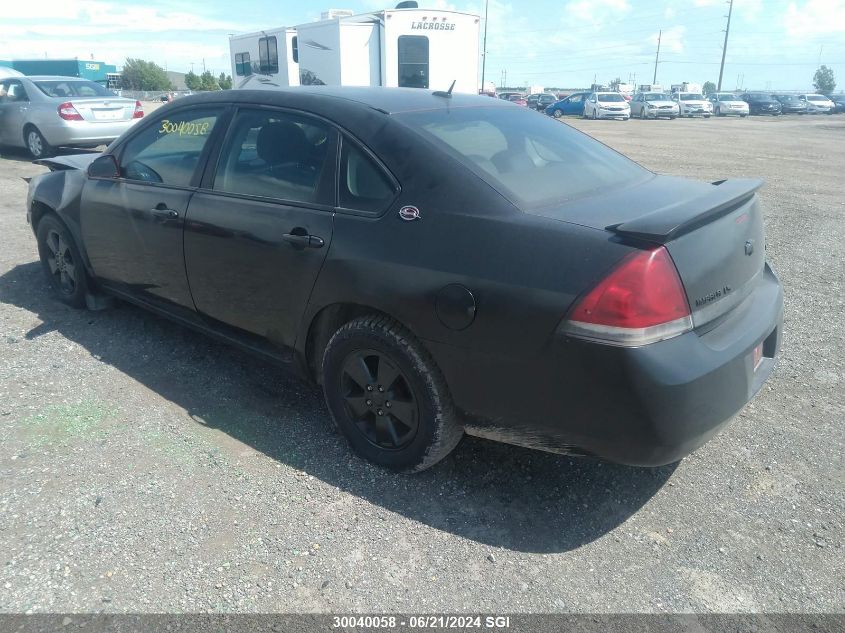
[407,47]
[264,59]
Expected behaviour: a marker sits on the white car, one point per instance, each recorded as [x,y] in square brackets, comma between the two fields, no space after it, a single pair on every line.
[692,104]
[607,105]
[727,103]
[818,104]
[652,105]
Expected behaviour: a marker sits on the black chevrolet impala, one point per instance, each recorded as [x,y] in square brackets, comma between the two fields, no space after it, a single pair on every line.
[440,264]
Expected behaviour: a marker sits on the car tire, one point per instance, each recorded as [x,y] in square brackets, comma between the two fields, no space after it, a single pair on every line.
[360,358]
[706,116]
[557,114]
[36,144]
[61,261]
[742,116]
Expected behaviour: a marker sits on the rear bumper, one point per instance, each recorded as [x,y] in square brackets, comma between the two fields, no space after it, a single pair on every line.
[643,406]
[70,133]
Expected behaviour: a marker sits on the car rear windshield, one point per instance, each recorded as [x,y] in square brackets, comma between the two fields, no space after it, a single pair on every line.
[756,96]
[816,98]
[611,97]
[691,97]
[532,160]
[71,88]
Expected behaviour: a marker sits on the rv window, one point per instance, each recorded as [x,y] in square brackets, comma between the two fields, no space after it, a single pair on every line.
[268,55]
[242,65]
[295,49]
[413,61]
[363,185]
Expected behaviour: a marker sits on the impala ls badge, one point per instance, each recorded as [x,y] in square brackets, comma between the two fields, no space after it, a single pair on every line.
[749,247]
[409,213]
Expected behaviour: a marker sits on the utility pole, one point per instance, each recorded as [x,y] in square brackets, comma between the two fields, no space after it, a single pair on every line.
[203,64]
[484,46]
[725,47]
[657,57]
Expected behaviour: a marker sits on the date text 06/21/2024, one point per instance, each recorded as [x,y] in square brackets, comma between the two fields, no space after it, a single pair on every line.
[421,622]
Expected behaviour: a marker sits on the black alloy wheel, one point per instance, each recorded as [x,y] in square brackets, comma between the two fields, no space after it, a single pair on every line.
[387,396]
[380,400]
[61,261]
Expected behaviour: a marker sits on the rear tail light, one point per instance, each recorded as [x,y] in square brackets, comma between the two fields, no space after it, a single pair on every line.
[68,112]
[641,301]
[139,111]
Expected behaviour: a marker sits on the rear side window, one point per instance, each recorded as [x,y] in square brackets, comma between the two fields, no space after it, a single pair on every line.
[12,91]
[169,151]
[532,160]
[363,184]
[276,155]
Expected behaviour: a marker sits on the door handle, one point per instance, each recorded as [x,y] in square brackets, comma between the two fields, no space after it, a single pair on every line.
[161,210]
[304,240]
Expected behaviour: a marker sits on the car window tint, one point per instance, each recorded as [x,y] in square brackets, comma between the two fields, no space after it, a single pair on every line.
[363,184]
[168,152]
[533,160]
[274,155]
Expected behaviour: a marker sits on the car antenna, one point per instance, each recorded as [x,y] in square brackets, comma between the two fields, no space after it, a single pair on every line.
[447,94]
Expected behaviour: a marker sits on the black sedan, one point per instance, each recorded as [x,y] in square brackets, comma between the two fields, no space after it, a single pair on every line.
[762,103]
[791,104]
[440,264]
[540,101]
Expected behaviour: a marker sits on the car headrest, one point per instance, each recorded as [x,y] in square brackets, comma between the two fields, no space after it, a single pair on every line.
[282,141]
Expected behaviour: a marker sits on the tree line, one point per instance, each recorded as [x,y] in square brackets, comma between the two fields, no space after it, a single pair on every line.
[139,74]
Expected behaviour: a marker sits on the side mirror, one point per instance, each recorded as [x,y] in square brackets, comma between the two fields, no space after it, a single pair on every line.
[104,166]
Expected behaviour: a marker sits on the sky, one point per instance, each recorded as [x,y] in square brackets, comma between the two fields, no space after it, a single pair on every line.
[774,44]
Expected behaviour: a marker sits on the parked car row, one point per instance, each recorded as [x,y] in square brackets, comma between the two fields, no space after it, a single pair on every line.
[654,105]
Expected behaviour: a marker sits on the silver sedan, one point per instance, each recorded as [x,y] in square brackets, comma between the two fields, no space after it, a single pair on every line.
[45,112]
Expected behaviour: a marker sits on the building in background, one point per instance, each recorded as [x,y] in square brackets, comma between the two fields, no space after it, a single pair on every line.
[105,74]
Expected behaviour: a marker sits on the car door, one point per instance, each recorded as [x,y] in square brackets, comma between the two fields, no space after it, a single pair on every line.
[259,229]
[14,105]
[575,104]
[132,225]
[635,105]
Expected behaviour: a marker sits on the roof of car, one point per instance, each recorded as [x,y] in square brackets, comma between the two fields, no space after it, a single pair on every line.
[54,78]
[387,100]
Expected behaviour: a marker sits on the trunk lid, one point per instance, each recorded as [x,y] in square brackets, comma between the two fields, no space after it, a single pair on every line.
[104,109]
[714,233]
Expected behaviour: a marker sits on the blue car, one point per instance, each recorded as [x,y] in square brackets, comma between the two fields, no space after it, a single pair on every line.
[573,104]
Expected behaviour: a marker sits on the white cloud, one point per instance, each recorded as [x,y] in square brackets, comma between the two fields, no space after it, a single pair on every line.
[596,12]
[671,40]
[815,17]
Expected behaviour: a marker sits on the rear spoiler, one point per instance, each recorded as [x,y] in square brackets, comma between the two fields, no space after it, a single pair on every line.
[681,217]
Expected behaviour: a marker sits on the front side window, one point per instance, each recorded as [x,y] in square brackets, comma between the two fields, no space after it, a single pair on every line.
[530,159]
[268,55]
[12,91]
[169,151]
[413,61]
[363,184]
[276,155]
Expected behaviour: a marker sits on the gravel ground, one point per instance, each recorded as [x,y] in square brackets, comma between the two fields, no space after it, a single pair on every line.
[146,468]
